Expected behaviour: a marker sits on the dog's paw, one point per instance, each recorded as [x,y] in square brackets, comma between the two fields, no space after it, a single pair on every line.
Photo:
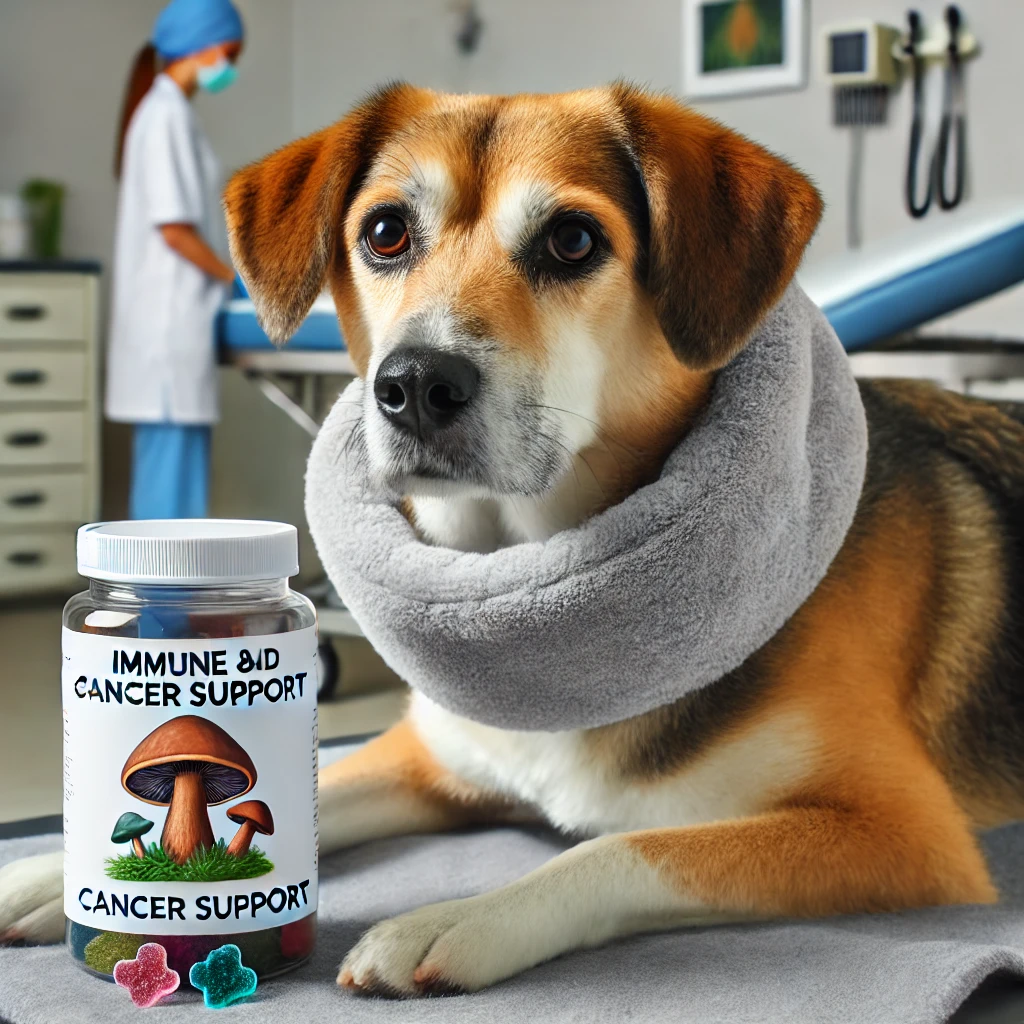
[441,949]
[31,899]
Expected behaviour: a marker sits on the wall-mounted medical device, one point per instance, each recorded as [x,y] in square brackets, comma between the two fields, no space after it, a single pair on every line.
[857,58]
[936,40]
[949,43]
[860,53]
[864,61]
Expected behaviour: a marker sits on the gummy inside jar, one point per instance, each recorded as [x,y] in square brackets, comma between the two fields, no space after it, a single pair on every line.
[170,613]
[268,952]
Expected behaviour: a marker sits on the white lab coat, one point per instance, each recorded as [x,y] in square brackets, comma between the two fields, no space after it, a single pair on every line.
[161,363]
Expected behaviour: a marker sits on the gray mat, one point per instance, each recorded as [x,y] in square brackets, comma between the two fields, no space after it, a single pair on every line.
[911,968]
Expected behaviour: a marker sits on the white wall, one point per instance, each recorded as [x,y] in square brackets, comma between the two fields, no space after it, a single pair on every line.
[62,69]
[344,48]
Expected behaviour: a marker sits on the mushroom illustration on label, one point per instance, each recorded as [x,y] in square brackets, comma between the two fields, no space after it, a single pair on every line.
[253,816]
[187,764]
[131,827]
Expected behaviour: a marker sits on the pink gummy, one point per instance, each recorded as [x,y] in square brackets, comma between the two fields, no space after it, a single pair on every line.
[147,978]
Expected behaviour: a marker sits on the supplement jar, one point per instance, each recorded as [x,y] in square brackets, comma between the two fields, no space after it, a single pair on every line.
[189,683]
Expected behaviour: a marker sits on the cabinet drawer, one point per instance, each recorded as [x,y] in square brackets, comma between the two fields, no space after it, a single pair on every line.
[42,311]
[35,561]
[41,438]
[30,376]
[42,498]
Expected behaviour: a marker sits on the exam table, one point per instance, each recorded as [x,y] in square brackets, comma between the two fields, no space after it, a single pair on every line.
[295,380]
[875,297]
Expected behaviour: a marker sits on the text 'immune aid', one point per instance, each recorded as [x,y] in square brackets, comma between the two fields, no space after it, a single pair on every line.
[137,679]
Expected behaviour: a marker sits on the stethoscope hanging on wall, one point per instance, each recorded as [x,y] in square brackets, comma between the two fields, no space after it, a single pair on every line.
[952,127]
[953,118]
[917,209]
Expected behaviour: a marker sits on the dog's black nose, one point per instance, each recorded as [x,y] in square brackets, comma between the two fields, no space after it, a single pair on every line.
[422,389]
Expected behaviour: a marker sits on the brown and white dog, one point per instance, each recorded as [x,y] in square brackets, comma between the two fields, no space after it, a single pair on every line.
[601,254]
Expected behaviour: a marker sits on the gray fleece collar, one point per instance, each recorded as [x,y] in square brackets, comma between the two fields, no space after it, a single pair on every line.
[660,595]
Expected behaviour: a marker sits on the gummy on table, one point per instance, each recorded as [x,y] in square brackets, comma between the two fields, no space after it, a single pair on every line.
[222,978]
[147,978]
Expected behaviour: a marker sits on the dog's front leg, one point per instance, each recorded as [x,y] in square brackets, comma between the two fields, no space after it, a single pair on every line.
[393,786]
[31,900]
[586,896]
[795,861]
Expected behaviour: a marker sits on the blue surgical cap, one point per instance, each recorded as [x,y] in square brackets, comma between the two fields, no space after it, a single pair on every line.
[185,27]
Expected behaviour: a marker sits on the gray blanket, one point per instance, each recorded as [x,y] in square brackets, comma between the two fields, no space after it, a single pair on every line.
[663,593]
[912,968]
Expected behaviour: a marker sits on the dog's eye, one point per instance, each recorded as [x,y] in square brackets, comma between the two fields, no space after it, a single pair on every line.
[388,236]
[571,241]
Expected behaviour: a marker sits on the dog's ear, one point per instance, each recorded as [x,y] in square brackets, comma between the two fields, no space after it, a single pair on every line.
[284,212]
[728,222]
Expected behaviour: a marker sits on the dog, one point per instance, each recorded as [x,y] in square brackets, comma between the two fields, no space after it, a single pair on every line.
[602,254]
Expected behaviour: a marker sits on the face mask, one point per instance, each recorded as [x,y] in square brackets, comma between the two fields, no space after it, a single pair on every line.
[216,77]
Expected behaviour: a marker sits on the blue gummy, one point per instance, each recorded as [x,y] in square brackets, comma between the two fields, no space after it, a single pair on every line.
[163,624]
[222,978]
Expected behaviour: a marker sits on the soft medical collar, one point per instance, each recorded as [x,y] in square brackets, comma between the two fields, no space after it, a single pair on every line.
[644,603]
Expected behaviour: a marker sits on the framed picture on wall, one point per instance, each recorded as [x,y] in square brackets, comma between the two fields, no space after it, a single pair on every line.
[743,46]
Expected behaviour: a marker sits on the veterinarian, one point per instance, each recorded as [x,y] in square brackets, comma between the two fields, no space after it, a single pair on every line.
[169,281]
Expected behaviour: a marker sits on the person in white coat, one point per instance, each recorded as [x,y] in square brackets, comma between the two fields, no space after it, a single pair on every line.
[169,282]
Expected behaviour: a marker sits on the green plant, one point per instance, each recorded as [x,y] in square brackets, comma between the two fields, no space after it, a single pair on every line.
[45,201]
[214,864]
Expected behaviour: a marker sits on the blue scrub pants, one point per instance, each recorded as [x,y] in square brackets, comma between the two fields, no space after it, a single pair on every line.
[170,471]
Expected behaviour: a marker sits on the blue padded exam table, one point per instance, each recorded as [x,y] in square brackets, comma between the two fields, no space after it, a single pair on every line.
[239,330]
[876,295]
[291,377]
[929,269]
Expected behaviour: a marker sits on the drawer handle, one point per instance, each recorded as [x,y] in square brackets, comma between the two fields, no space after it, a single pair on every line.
[21,378]
[27,499]
[25,558]
[24,313]
[26,438]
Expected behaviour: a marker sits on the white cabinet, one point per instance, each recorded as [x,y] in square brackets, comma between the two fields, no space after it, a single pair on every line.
[49,423]
[44,307]
[33,376]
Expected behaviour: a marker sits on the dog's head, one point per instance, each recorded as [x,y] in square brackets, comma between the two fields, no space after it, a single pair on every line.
[521,278]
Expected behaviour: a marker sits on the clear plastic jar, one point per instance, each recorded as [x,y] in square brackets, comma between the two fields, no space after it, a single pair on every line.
[189,687]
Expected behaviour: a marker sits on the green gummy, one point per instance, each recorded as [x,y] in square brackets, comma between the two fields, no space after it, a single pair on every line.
[107,948]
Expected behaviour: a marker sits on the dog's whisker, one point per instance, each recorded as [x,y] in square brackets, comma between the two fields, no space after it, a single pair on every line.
[605,442]
[601,433]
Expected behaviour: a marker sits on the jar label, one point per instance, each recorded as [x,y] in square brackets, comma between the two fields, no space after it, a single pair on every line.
[190,774]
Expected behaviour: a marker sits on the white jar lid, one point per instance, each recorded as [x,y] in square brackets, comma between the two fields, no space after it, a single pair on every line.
[188,552]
